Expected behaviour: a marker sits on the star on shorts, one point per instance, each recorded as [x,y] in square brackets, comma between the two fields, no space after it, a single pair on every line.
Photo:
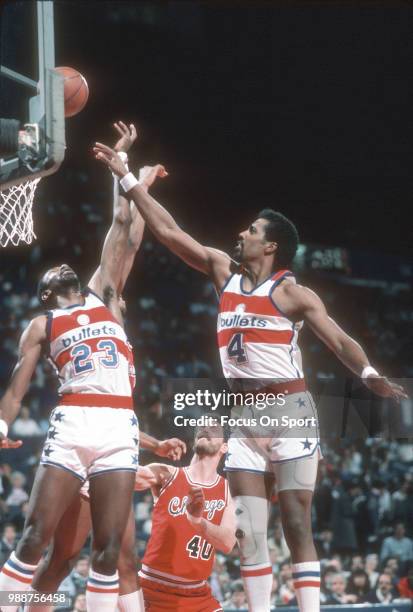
[135,459]
[52,433]
[300,402]
[306,444]
[134,420]
[59,416]
[47,451]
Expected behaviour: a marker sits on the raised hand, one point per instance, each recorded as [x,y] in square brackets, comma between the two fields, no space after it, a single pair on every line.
[127,135]
[109,157]
[196,503]
[148,175]
[172,448]
[380,385]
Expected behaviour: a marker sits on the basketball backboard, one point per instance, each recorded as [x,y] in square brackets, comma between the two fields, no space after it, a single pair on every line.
[32,126]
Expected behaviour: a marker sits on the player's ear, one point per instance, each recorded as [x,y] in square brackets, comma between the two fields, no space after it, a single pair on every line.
[45,295]
[271,248]
[224,448]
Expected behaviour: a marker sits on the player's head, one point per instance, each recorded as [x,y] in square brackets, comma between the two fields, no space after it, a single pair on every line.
[58,281]
[270,235]
[210,440]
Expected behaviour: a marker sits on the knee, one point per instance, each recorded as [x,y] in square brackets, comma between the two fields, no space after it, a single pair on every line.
[296,528]
[251,536]
[36,537]
[105,558]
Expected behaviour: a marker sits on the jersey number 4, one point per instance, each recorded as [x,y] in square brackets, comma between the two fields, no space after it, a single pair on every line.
[82,356]
[199,548]
[236,348]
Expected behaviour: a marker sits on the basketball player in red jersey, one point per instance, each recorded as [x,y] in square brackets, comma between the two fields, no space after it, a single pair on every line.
[193,515]
[94,432]
[262,309]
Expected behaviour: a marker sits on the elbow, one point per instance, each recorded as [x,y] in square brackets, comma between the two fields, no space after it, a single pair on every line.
[122,217]
[227,545]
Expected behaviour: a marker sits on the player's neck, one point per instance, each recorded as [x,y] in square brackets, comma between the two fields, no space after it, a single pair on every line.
[203,469]
[256,272]
[70,299]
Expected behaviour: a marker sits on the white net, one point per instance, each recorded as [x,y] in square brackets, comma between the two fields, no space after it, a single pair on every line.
[16,220]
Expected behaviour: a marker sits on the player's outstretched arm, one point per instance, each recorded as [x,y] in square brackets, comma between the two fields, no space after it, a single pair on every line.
[147,176]
[209,261]
[153,476]
[172,448]
[222,537]
[107,279]
[30,349]
[306,304]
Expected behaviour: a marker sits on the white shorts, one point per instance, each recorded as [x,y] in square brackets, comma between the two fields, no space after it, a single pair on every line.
[260,448]
[87,441]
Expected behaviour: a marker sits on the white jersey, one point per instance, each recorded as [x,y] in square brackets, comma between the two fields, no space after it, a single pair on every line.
[92,355]
[255,338]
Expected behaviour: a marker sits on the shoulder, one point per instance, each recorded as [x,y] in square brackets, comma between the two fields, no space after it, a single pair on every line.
[37,326]
[294,298]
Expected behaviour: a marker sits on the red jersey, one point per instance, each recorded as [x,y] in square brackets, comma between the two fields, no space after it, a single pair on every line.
[176,555]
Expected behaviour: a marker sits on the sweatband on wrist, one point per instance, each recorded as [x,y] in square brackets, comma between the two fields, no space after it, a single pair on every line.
[193,519]
[4,428]
[367,371]
[124,158]
[128,182]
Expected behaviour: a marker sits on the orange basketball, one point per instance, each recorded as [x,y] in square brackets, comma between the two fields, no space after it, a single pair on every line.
[76,90]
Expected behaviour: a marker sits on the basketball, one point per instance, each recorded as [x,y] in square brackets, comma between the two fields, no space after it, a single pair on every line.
[76,90]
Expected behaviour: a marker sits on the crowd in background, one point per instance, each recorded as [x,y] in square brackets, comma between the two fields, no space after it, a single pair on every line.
[363,505]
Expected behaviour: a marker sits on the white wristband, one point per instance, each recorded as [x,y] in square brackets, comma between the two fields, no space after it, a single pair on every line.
[128,182]
[193,519]
[4,428]
[367,371]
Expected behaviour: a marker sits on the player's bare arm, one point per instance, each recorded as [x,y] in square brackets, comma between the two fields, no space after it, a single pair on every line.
[153,476]
[222,537]
[210,261]
[30,349]
[107,279]
[301,303]
[172,448]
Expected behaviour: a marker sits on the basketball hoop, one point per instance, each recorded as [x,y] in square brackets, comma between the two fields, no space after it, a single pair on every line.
[16,219]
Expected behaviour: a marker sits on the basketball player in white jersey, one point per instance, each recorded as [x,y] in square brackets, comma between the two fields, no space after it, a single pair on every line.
[262,309]
[75,525]
[94,431]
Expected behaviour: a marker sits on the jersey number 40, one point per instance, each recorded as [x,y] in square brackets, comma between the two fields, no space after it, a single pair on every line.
[199,548]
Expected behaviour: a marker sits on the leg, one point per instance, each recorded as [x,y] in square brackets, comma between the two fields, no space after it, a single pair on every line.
[110,503]
[130,593]
[251,493]
[296,481]
[68,541]
[52,492]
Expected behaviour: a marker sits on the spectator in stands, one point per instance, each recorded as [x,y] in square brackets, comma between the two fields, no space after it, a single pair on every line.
[8,542]
[402,500]
[79,605]
[24,426]
[275,592]
[237,599]
[17,495]
[76,581]
[323,544]
[384,592]
[342,519]
[359,585]
[397,545]
[327,574]
[278,545]
[371,565]
[338,595]
[405,585]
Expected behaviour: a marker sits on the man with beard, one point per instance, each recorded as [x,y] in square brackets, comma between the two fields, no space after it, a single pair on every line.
[192,516]
[261,311]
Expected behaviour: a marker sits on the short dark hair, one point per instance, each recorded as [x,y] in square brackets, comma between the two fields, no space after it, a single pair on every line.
[281,230]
